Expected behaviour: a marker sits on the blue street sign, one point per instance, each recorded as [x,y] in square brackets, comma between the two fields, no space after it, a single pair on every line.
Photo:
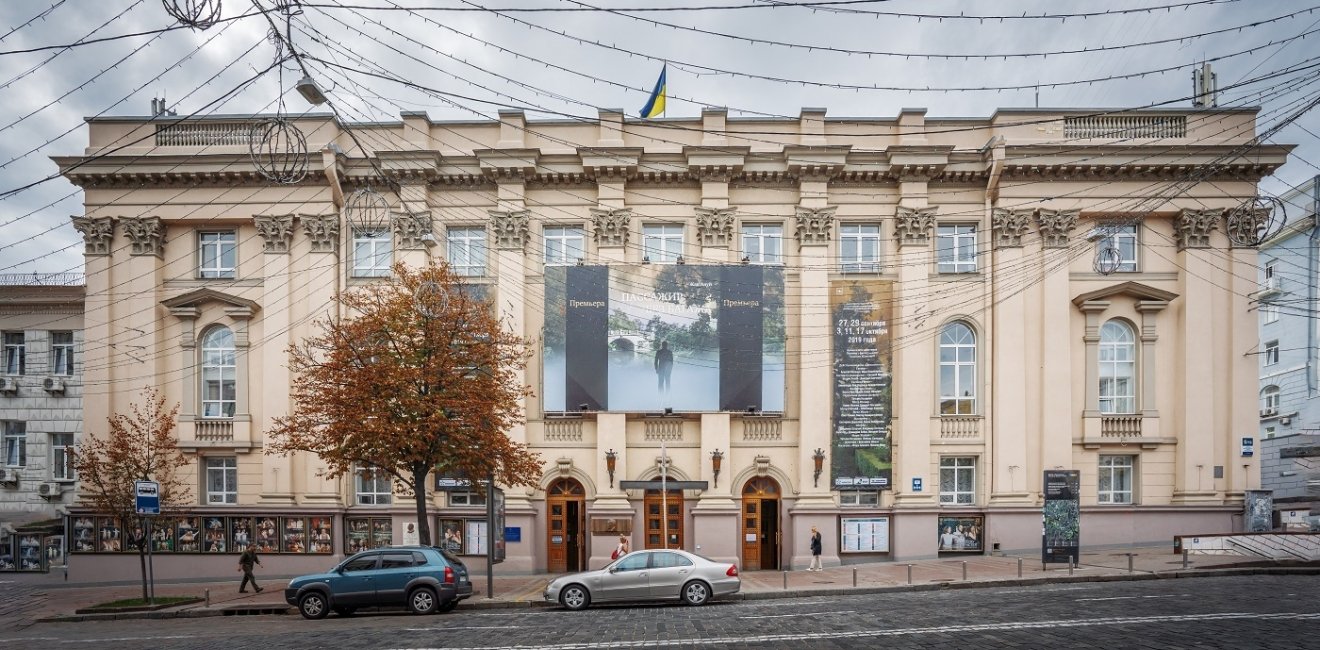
[148,497]
[916,485]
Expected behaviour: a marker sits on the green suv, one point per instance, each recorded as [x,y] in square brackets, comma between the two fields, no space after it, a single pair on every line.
[422,578]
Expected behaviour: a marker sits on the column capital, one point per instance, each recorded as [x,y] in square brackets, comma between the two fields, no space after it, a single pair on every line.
[97,232]
[912,225]
[1193,227]
[510,228]
[276,232]
[814,225]
[147,235]
[1009,226]
[412,229]
[715,225]
[322,231]
[612,225]
[1055,226]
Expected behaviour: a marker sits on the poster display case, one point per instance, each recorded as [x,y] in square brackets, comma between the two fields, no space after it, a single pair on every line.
[961,534]
[30,552]
[83,534]
[213,534]
[322,535]
[266,535]
[363,533]
[864,534]
[217,535]
[188,535]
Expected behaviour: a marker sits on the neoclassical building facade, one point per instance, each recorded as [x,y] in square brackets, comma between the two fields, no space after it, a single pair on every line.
[889,328]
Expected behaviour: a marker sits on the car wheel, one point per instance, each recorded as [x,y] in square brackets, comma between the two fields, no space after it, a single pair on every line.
[313,605]
[696,593]
[575,597]
[448,607]
[345,611]
[422,601]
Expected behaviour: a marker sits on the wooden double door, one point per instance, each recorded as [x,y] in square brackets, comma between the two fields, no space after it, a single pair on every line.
[670,523]
[760,524]
[566,535]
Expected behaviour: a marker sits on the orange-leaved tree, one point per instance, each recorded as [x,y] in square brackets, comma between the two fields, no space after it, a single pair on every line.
[413,374]
[140,445]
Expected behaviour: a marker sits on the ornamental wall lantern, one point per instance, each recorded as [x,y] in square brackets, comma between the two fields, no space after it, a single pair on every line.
[610,457]
[716,459]
[819,457]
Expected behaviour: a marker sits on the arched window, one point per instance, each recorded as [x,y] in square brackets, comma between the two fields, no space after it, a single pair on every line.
[1118,368]
[1269,400]
[957,369]
[219,374]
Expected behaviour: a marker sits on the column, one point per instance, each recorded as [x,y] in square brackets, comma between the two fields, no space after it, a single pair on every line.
[322,267]
[273,365]
[1058,417]
[1008,430]
[611,434]
[1194,479]
[715,530]
[135,314]
[98,363]
[914,379]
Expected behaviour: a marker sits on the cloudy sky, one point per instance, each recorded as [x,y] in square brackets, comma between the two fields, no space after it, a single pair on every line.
[467,59]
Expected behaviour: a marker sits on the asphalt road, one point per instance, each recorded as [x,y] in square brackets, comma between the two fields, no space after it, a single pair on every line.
[1231,612]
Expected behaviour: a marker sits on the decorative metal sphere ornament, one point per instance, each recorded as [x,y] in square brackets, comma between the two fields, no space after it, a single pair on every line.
[1108,260]
[430,300]
[279,150]
[367,207]
[197,14]
[1256,220]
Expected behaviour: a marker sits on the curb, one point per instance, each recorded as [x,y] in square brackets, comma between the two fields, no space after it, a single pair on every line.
[280,610]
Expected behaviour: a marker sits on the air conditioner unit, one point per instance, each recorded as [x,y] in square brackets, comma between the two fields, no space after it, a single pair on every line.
[53,385]
[1269,413]
[50,489]
[8,476]
[1271,286]
[8,385]
[1285,420]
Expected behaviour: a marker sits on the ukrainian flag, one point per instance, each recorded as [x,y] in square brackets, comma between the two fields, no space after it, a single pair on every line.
[656,104]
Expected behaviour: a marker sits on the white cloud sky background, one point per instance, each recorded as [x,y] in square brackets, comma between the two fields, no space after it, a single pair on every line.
[45,95]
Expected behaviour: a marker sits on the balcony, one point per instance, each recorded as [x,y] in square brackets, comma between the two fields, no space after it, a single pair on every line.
[1125,126]
[204,134]
[198,433]
[762,429]
[213,430]
[563,430]
[960,427]
[668,429]
[1120,426]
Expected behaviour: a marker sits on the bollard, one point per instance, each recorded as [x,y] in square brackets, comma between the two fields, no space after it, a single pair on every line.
[785,581]
[208,597]
[854,576]
[1184,559]
[1130,562]
[909,573]
[964,570]
[1019,567]
[1071,563]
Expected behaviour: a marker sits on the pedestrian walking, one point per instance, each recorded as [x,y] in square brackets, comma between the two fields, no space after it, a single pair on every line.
[624,548]
[815,551]
[245,563]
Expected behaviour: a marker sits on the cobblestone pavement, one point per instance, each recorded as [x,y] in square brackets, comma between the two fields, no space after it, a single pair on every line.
[1260,611]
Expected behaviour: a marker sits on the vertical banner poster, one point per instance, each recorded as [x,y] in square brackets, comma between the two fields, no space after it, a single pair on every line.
[1061,539]
[863,384]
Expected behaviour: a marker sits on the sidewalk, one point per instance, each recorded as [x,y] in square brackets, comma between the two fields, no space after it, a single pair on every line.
[38,596]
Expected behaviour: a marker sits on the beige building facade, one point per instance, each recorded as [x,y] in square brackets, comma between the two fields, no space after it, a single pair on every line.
[1048,290]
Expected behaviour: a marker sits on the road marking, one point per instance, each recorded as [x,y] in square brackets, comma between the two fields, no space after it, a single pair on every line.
[793,603]
[793,615]
[1133,597]
[54,639]
[910,631]
[462,627]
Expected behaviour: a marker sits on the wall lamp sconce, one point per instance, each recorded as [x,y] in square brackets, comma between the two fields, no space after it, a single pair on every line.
[610,457]
[716,460]
[819,457]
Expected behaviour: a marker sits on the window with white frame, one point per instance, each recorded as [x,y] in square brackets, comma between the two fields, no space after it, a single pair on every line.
[61,353]
[958,480]
[1269,432]
[1116,478]
[1118,368]
[662,243]
[222,480]
[763,243]
[467,250]
[1269,401]
[217,255]
[61,457]
[219,373]
[15,443]
[859,498]
[957,369]
[955,248]
[1271,353]
[563,245]
[1270,270]
[466,498]
[859,247]
[373,487]
[1124,239]
[1269,312]
[373,252]
[15,352]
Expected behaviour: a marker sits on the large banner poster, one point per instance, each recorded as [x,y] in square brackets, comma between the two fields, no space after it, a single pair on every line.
[1061,538]
[641,338]
[863,383]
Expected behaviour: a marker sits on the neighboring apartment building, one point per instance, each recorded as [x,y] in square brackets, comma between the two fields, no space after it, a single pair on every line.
[889,328]
[41,419]
[1290,468]
[1286,304]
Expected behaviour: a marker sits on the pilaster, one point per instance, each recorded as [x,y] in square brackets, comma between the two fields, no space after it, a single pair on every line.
[277,485]
[914,384]
[1193,479]
[1008,431]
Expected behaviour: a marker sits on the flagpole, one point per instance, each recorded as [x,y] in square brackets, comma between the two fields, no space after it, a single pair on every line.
[664,494]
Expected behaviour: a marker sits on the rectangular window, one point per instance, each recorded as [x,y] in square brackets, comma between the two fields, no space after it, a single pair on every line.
[1271,353]
[217,254]
[763,243]
[1270,270]
[15,354]
[958,480]
[1122,238]
[564,245]
[467,251]
[61,456]
[373,252]
[856,498]
[955,247]
[662,243]
[1115,480]
[374,487]
[61,353]
[1269,312]
[859,247]
[221,480]
[466,499]
[15,443]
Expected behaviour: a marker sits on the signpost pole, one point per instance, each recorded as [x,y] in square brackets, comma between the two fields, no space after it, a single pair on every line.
[490,537]
[151,566]
[664,494]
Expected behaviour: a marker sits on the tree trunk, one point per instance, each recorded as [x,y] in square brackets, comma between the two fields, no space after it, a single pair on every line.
[419,489]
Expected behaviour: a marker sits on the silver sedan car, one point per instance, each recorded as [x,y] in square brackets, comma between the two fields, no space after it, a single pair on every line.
[647,575]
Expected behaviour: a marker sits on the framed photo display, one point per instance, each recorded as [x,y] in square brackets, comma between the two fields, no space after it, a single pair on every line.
[216,535]
[321,534]
[110,535]
[961,534]
[188,535]
[363,533]
[31,552]
[864,534]
[450,533]
[267,535]
[83,534]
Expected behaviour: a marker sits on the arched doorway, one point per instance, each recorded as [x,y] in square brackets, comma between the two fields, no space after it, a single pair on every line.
[565,508]
[760,523]
[656,525]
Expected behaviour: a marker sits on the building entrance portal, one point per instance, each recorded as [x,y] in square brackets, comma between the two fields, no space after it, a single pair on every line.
[565,505]
[760,524]
[655,523]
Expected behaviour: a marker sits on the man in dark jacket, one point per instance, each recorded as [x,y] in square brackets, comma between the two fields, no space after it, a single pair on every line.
[664,366]
[245,563]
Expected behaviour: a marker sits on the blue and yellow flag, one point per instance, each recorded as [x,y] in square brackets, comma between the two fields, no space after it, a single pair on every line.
[656,104]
